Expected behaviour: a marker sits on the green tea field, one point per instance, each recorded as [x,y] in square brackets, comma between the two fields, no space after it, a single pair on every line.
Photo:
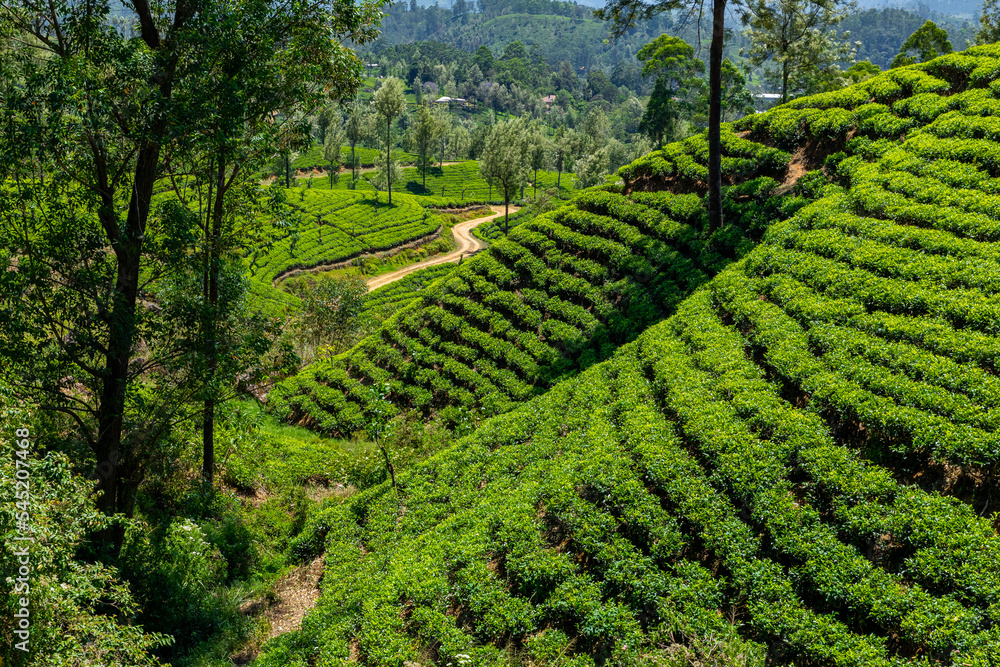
[797,466]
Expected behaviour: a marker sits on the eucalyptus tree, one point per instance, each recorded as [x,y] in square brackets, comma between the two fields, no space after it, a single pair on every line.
[425,132]
[389,104]
[357,127]
[332,142]
[671,60]
[504,162]
[928,42]
[567,147]
[108,118]
[443,125]
[989,22]
[799,37]
[737,101]
[540,151]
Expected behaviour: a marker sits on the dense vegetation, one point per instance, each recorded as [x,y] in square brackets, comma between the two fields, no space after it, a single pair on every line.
[387,300]
[800,464]
[534,22]
[881,31]
[621,434]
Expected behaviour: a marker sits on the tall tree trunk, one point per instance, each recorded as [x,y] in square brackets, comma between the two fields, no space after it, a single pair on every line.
[288,171]
[506,209]
[211,338]
[115,466]
[534,184]
[354,165]
[117,471]
[715,116]
[388,171]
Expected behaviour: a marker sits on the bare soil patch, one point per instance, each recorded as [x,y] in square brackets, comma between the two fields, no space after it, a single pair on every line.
[294,595]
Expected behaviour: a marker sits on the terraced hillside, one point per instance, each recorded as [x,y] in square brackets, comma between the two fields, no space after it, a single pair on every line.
[326,227]
[560,293]
[799,466]
[390,298]
[339,225]
[459,183]
[462,181]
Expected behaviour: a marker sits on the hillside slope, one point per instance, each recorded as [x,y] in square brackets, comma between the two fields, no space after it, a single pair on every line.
[558,294]
[799,465]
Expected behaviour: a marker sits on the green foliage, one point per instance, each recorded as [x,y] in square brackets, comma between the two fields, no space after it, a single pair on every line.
[79,611]
[929,41]
[389,103]
[861,71]
[737,101]
[504,163]
[329,321]
[881,31]
[989,23]
[671,60]
[800,41]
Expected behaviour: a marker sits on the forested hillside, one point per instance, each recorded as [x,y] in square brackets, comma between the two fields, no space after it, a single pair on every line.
[495,24]
[882,30]
[799,466]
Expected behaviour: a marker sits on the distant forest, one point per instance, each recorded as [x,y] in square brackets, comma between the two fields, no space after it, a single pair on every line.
[566,31]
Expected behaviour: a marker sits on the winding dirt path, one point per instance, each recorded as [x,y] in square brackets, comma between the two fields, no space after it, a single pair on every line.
[467,243]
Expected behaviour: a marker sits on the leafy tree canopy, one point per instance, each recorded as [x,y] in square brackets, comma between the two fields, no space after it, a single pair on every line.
[678,84]
[929,42]
[799,39]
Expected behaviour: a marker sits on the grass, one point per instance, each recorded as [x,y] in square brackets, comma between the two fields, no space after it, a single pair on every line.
[295,455]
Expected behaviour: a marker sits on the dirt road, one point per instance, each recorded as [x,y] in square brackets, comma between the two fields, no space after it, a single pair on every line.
[467,243]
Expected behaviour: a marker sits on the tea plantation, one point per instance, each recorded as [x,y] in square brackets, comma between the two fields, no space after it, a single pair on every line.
[394,296]
[558,294]
[459,183]
[326,227]
[336,226]
[798,466]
